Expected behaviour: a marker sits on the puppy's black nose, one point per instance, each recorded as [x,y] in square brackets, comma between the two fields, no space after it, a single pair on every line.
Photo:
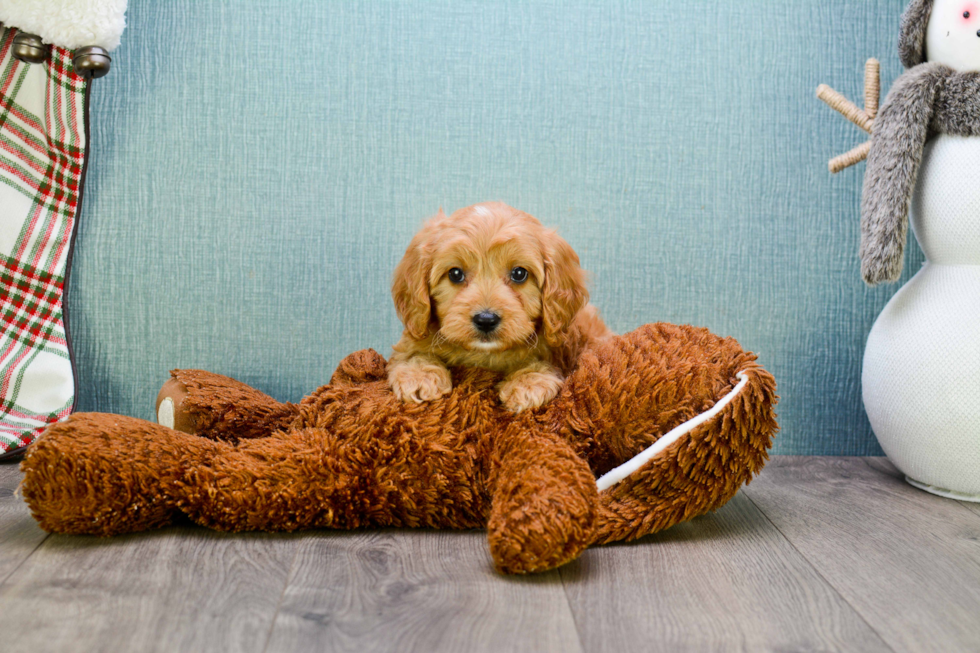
[486,321]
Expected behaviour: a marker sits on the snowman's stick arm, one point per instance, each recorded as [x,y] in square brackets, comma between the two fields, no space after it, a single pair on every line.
[855,156]
[863,118]
[845,107]
[872,87]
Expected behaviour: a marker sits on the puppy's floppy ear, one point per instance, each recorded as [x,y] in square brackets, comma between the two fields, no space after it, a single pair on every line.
[410,288]
[563,292]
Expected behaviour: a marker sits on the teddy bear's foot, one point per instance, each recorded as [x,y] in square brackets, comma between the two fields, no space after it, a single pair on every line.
[104,474]
[220,408]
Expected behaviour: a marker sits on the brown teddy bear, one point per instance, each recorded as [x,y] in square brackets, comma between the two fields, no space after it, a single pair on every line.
[674,420]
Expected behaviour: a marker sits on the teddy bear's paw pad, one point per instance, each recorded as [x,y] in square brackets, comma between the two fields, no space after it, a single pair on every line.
[165,413]
[171,409]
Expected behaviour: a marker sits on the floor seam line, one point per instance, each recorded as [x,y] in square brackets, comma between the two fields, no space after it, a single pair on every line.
[571,613]
[26,558]
[282,595]
[820,575]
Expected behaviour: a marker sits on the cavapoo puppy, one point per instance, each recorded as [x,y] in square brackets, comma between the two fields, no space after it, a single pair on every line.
[490,287]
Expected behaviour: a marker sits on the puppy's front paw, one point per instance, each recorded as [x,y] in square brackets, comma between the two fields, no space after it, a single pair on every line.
[529,390]
[418,383]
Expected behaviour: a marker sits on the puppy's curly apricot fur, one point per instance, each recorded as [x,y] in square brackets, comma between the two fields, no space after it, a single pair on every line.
[490,287]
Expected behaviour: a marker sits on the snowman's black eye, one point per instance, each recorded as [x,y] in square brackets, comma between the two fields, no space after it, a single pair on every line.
[456,275]
[518,275]
[966,14]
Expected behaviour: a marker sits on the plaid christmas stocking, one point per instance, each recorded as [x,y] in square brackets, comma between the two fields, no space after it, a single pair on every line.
[43,137]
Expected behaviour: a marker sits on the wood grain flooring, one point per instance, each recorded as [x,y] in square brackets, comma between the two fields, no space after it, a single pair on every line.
[907,561]
[19,534]
[828,554]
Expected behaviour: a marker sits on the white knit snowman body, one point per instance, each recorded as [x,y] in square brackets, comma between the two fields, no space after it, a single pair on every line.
[921,376]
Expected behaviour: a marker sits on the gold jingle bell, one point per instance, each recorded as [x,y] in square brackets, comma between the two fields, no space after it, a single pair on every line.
[91,62]
[29,48]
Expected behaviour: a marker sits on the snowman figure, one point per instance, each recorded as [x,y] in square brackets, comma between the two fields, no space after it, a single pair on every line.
[921,376]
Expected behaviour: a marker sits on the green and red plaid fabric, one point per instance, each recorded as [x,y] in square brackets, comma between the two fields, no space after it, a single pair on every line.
[42,160]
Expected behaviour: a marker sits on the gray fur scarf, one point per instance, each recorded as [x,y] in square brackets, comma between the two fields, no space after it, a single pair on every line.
[927,100]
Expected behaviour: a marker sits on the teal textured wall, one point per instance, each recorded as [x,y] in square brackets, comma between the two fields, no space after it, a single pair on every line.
[258,167]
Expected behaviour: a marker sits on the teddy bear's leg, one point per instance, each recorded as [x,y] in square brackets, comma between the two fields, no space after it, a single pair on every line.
[107,474]
[341,475]
[699,405]
[696,473]
[219,408]
[544,500]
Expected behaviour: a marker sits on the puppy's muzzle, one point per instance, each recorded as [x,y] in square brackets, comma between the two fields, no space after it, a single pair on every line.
[486,321]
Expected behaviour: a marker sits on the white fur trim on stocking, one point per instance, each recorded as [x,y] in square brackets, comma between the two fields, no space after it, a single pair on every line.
[68,23]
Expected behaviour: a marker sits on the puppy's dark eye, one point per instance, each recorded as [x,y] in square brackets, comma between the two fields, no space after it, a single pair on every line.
[456,275]
[518,275]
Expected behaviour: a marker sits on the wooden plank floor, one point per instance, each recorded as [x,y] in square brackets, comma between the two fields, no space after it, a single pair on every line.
[830,554]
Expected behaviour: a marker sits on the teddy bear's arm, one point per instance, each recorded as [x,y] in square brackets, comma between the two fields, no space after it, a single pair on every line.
[219,408]
[899,136]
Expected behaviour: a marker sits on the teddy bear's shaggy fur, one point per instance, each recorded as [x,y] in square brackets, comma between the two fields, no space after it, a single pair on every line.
[351,455]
